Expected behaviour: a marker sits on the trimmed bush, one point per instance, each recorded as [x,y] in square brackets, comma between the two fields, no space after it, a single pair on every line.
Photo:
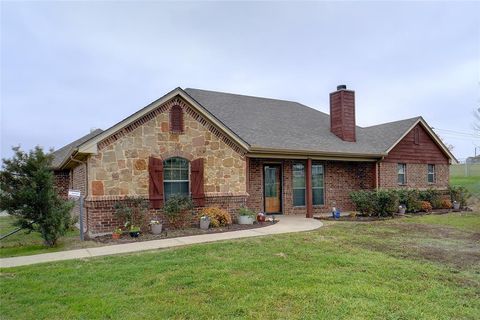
[446,204]
[409,198]
[381,203]
[386,202]
[364,201]
[218,217]
[431,195]
[459,194]
[426,206]
[178,211]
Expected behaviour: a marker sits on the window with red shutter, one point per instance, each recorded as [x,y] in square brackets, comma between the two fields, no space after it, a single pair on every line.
[176,119]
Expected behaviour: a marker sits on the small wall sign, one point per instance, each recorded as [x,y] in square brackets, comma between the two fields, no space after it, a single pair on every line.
[74,194]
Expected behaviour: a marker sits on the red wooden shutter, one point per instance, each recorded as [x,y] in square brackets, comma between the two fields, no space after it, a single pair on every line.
[176,119]
[155,190]
[198,194]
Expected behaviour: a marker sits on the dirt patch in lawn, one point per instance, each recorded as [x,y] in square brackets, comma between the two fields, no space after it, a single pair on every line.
[445,245]
[167,234]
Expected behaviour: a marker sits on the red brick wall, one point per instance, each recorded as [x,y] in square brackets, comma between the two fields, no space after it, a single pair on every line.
[101,217]
[416,176]
[342,114]
[340,179]
[62,182]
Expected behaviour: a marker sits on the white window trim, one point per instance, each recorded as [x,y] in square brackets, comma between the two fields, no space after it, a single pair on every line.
[433,174]
[404,165]
[189,178]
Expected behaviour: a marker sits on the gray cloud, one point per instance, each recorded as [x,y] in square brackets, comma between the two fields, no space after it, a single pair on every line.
[70,66]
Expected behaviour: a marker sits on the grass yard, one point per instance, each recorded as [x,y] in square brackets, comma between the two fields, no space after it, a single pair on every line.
[471,183]
[413,268]
[21,243]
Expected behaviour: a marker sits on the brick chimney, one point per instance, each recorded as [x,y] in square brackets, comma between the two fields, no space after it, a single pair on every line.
[342,113]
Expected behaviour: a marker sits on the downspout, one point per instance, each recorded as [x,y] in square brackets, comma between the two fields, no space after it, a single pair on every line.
[86,188]
[377,173]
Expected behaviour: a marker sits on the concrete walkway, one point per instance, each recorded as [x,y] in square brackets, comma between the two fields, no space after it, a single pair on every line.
[286,224]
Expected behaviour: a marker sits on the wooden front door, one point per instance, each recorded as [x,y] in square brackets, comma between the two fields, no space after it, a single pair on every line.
[272,188]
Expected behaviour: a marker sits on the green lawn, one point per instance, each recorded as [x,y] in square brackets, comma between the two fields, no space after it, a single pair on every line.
[412,268]
[471,183]
[22,243]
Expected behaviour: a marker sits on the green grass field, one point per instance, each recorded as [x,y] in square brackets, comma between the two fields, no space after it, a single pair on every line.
[412,268]
[22,243]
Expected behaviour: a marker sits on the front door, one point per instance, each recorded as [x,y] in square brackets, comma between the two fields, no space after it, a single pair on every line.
[272,188]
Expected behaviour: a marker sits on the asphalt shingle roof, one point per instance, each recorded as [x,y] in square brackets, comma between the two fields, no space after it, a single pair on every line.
[63,153]
[280,124]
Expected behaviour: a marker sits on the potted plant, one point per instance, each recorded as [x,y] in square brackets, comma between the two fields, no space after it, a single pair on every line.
[117,233]
[261,217]
[134,231]
[156,226]
[456,205]
[245,216]
[401,209]
[204,222]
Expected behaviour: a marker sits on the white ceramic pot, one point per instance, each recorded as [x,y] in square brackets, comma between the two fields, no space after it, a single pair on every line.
[156,228]
[401,211]
[204,224]
[245,220]
[456,205]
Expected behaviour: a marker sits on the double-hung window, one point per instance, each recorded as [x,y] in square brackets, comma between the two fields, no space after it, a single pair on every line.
[317,184]
[175,177]
[402,173]
[431,173]
[298,173]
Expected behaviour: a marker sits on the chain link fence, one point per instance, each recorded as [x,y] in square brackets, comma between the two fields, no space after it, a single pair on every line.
[465,170]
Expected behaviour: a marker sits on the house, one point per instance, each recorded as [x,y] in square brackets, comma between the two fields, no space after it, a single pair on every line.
[229,150]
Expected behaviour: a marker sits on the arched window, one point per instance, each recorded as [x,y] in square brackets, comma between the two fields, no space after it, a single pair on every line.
[175,177]
[176,119]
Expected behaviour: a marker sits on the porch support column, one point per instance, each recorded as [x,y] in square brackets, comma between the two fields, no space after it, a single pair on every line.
[308,177]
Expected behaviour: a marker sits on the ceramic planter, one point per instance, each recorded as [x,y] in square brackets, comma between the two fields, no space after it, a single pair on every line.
[134,234]
[401,210]
[245,220]
[156,228]
[261,217]
[204,224]
[116,236]
[456,205]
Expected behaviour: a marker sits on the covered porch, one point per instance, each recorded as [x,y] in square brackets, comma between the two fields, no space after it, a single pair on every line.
[305,186]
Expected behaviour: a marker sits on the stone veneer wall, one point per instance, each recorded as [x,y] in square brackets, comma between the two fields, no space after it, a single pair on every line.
[120,167]
[416,176]
[340,179]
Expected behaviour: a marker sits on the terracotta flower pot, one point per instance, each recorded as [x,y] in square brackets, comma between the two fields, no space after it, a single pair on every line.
[116,236]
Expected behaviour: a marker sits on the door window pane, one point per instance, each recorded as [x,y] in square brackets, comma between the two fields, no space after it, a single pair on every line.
[270,182]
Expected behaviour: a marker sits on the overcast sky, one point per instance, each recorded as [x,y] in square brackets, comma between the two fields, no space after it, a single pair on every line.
[67,67]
